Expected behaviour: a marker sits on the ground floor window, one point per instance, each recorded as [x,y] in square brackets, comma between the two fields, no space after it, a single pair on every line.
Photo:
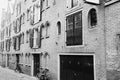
[77,67]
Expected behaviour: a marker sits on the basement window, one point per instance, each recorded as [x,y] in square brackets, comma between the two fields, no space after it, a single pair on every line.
[92,18]
[76,67]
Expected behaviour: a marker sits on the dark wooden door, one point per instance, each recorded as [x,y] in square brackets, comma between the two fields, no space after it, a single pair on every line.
[76,67]
[17,58]
[36,63]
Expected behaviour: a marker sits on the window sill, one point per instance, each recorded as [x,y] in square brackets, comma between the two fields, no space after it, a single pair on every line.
[45,8]
[47,37]
[111,2]
[75,46]
[92,28]
[73,10]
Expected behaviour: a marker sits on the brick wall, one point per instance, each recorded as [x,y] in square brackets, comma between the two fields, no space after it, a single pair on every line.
[112,19]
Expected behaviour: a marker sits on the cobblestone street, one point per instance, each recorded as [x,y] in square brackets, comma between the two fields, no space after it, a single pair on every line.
[7,74]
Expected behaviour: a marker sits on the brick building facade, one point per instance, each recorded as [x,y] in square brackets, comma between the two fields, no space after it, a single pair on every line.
[72,39]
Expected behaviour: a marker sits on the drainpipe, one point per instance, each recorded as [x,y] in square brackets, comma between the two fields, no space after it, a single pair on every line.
[105,52]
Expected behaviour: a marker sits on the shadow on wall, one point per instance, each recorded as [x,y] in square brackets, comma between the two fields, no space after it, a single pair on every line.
[113,75]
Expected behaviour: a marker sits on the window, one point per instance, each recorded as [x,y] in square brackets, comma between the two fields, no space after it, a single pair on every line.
[18,9]
[18,25]
[92,17]
[74,29]
[6,31]
[35,38]
[22,38]
[29,59]
[32,15]
[14,27]
[76,67]
[27,36]
[28,14]
[21,58]
[72,3]
[31,37]
[45,4]
[23,18]
[43,31]
[37,12]
[8,44]
[59,27]
[10,29]
[54,2]
[47,26]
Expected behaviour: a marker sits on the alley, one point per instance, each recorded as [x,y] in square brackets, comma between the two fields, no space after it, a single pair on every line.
[7,74]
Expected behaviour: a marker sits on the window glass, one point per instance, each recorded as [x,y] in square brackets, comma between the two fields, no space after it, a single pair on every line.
[92,17]
[35,38]
[37,12]
[74,3]
[59,27]
[74,29]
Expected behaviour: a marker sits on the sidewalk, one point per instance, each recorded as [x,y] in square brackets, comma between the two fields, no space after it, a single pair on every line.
[7,74]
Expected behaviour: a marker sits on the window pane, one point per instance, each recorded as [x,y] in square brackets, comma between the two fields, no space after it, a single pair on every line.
[78,36]
[70,30]
[78,29]
[74,29]
[74,3]
[78,20]
[93,17]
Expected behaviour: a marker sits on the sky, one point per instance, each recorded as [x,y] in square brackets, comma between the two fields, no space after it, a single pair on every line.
[3,4]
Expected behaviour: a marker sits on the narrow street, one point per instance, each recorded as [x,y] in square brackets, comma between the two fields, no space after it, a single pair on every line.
[7,74]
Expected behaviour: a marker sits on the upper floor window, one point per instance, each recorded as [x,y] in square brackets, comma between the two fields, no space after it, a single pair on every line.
[37,12]
[59,27]
[27,36]
[28,14]
[72,3]
[92,17]
[35,36]
[31,15]
[45,4]
[18,9]
[22,38]
[8,44]
[17,43]
[74,29]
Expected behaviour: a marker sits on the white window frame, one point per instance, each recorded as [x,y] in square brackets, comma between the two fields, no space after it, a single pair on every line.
[82,30]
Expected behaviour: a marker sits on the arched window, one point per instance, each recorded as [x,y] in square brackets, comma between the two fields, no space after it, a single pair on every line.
[59,27]
[92,18]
